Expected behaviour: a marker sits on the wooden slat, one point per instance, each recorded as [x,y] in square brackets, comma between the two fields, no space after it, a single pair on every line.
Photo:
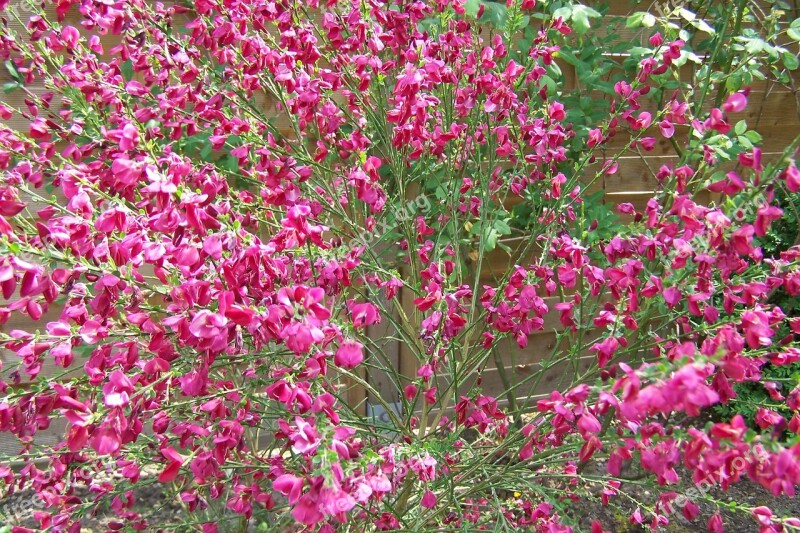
[555,378]
[635,176]
[774,139]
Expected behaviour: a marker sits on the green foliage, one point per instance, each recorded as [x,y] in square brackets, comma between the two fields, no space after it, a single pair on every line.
[739,44]
[753,395]
[579,15]
[783,234]
[794,30]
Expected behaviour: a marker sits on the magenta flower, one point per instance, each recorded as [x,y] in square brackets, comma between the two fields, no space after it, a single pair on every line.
[174,463]
[106,440]
[428,500]
[290,486]
[349,355]
[116,391]
[305,438]
[736,103]
[306,511]
[364,314]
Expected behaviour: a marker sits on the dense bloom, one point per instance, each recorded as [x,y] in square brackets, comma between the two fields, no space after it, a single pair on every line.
[341,264]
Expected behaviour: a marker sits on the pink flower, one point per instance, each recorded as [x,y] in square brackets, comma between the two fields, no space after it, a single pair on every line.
[428,500]
[656,40]
[588,424]
[430,395]
[667,129]
[212,260]
[290,486]
[106,440]
[792,178]
[595,137]
[208,325]
[714,524]
[742,239]
[364,314]
[766,418]
[756,328]
[174,463]
[70,37]
[605,350]
[127,137]
[556,111]
[672,296]
[735,103]
[193,383]
[410,392]
[115,392]
[349,355]
[92,331]
[301,336]
[335,501]
[125,170]
[305,438]
[306,511]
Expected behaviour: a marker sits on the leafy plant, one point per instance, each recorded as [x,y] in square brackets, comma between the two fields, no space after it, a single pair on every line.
[319,323]
[781,379]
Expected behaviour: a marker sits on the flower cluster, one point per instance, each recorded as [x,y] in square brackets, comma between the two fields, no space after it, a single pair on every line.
[197,281]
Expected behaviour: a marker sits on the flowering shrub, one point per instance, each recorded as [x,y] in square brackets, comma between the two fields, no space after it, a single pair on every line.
[219,280]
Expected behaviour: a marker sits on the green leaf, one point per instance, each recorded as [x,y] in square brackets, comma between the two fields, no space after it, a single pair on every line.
[740,127]
[640,19]
[639,51]
[569,57]
[13,72]
[755,45]
[11,86]
[554,71]
[205,152]
[635,20]
[563,12]
[753,136]
[703,26]
[490,240]
[427,24]
[794,30]
[550,84]
[688,56]
[734,82]
[580,18]
[524,46]
[686,14]
[502,227]
[790,61]
[495,14]
[127,70]
[579,15]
